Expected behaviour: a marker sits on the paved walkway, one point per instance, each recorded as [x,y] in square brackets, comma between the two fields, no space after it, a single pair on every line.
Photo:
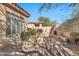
[69,48]
[73,47]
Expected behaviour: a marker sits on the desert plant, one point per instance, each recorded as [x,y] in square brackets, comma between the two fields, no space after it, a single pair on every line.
[74,35]
[23,35]
[30,33]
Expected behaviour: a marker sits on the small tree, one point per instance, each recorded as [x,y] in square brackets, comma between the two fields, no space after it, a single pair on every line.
[46,21]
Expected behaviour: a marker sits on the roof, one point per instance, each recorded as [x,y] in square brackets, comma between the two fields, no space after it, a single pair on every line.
[16,7]
[20,8]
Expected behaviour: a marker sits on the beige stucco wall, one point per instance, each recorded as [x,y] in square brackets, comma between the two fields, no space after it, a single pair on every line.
[30,26]
[46,29]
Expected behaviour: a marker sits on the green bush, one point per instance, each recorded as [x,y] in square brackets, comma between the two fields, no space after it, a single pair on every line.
[23,35]
[30,32]
[74,35]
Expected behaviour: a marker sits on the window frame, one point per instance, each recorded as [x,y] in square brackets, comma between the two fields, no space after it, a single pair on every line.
[13,17]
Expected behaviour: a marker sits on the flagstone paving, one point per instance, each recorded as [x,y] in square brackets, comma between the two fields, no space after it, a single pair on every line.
[70,49]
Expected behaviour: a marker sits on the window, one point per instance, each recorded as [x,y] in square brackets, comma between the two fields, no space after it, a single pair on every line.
[8,27]
[14,24]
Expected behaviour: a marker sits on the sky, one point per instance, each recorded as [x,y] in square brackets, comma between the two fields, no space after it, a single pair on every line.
[60,14]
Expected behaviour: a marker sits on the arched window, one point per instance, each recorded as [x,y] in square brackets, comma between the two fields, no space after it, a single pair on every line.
[14,24]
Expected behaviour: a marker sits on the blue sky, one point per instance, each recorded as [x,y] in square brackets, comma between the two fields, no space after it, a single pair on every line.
[54,14]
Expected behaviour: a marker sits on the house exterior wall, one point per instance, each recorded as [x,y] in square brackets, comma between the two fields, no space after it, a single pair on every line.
[3,10]
[2,23]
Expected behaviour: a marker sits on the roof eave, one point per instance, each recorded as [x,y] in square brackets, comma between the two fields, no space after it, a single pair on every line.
[17,8]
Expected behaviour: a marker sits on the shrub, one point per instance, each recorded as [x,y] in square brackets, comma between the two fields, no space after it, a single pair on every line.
[30,32]
[23,35]
[74,35]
